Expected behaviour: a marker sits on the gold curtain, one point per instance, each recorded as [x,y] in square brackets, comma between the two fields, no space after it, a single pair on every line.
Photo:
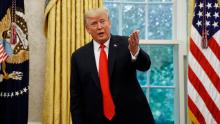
[191,3]
[65,32]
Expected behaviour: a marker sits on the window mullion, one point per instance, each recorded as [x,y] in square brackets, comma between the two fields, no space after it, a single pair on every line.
[120,20]
[146,21]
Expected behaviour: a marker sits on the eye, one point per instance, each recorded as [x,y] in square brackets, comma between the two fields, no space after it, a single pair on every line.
[94,23]
[102,21]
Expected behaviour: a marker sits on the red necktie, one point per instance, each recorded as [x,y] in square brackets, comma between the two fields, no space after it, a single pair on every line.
[108,105]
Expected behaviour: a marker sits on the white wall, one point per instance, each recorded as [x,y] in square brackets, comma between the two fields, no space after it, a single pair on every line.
[35,19]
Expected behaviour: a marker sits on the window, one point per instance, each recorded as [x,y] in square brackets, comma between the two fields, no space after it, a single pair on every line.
[153,18]
[157,20]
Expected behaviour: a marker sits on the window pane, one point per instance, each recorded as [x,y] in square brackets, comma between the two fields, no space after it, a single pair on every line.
[144,90]
[114,16]
[142,78]
[160,21]
[161,70]
[162,107]
[133,17]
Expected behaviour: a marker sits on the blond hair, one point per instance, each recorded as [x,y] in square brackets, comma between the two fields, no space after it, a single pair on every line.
[95,12]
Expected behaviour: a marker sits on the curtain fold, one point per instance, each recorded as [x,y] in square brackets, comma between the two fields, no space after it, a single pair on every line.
[65,32]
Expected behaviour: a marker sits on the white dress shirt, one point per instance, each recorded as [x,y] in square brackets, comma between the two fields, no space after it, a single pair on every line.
[97,50]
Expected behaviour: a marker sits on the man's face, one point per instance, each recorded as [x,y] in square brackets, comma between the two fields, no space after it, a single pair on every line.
[99,27]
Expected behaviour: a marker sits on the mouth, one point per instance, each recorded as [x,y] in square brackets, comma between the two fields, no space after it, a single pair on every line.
[101,33]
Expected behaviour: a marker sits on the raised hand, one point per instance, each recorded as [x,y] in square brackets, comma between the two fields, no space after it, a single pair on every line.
[133,41]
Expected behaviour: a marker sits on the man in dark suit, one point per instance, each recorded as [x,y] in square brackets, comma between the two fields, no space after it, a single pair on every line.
[104,88]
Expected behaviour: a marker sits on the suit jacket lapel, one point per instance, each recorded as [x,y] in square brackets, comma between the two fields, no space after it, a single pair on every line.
[112,54]
[93,67]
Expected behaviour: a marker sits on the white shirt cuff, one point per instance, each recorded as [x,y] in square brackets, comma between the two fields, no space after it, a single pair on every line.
[133,58]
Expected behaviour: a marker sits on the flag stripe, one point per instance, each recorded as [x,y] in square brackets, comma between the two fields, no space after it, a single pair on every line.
[196,111]
[213,76]
[199,72]
[214,47]
[3,54]
[198,101]
[213,109]
[208,53]
[1,49]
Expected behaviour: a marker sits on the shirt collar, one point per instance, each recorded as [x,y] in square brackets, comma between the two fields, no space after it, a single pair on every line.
[97,45]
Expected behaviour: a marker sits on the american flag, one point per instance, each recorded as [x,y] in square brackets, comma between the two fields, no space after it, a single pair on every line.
[204,63]
[3,54]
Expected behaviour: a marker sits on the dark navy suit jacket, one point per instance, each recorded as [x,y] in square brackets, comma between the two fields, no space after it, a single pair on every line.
[86,97]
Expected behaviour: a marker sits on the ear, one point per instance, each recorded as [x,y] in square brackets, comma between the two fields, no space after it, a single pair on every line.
[110,23]
[87,29]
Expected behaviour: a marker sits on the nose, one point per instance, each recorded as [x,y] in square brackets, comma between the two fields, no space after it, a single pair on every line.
[100,25]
